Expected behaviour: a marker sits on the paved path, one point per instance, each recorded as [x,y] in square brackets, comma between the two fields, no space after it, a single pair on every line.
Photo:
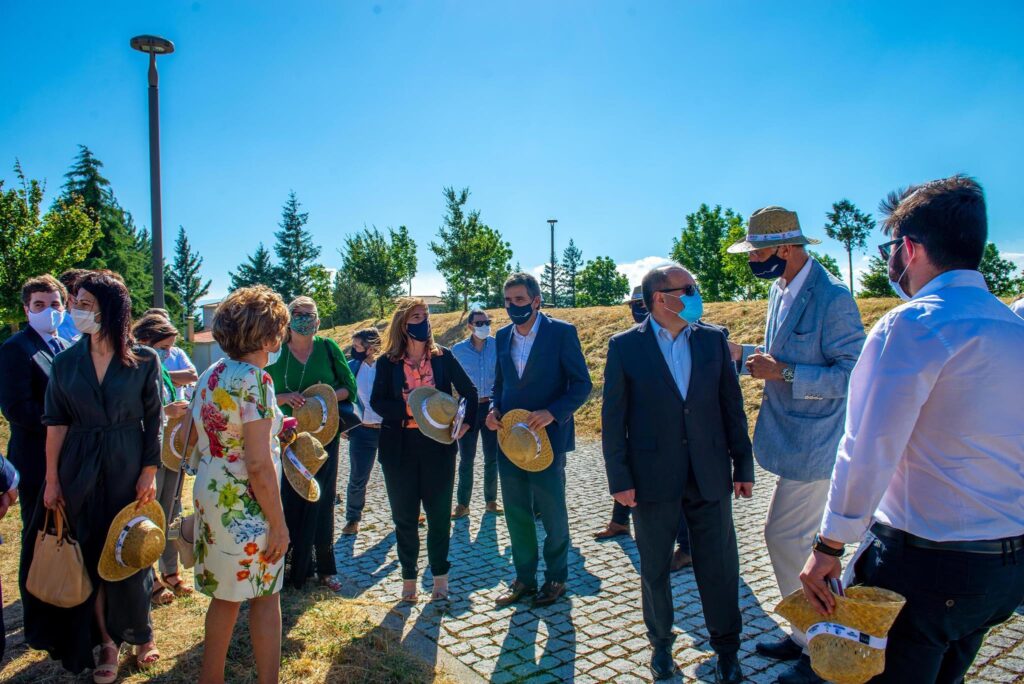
[597,633]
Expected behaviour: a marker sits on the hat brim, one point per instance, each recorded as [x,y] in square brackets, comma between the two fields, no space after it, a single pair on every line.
[744,246]
[109,569]
[307,489]
[309,420]
[530,465]
[169,455]
[416,399]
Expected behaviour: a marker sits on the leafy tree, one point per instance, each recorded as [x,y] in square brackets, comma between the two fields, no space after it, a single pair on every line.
[322,292]
[32,243]
[600,284]
[549,284]
[183,277]
[699,249]
[490,287]
[369,258]
[998,272]
[405,254]
[828,261]
[295,249]
[850,226]
[739,282]
[875,282]
[258,269]
[572,260]
[353,301]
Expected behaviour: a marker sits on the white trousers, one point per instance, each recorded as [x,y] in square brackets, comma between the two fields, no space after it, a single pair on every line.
[794,517]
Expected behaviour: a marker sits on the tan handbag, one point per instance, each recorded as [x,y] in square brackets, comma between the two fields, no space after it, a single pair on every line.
[57,575]
[182,533]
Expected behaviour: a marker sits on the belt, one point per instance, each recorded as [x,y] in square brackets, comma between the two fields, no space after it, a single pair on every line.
[372,426]
[987,546]
[113,427]
[485,400]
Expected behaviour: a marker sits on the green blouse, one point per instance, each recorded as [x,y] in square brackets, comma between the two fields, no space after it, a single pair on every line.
[326,364]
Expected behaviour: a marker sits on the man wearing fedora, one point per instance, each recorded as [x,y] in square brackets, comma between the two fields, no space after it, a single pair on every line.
[813,335]
[674,437]
[931,464]
[541,369]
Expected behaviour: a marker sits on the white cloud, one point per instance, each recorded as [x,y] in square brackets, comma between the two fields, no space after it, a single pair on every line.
[1015,257]
[635,270]
[428,283]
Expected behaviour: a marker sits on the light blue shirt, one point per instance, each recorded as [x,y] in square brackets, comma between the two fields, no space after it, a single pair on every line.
[67,330]
[676,352]
[479,365]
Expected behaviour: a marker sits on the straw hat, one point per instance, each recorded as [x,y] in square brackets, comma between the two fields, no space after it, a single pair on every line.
[438,415]
[173,452]
[135,541]
[527,449]
[848,646]
[319,415]
[302,459]
[771,227]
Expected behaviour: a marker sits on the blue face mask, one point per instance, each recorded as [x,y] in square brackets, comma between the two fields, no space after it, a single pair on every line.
[693,307]
[519,314]
[419,331]
[164,354]
[772,267]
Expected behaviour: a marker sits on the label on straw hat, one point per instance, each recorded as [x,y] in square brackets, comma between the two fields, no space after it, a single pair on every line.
[323,412]
[298,464]
[124,536]
[764,237]
[533,434]
[426,414]
[843,632]
[174,444]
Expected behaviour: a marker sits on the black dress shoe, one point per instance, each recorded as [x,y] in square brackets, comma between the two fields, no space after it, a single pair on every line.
[548,594]
[727,669]
[787,649]
[800,673]
[516,593]
[662,665]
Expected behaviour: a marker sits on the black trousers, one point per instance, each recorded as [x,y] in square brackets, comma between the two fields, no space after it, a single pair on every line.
[620,516]
[716,565]
[311,524]
[953,599]
[422,473]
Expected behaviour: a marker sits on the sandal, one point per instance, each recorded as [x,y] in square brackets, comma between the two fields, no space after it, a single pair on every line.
[106,673]
[179,588]
[409,591]
[146,655]
[331,582]
[161,595]
[440,592]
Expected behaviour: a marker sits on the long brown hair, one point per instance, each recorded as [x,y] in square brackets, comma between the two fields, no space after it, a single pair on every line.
[396,339]
[115,312]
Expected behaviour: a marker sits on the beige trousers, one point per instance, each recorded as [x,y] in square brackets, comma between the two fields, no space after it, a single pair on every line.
[794,517]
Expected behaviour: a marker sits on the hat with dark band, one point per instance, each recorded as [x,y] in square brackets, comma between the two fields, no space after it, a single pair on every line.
[135,540]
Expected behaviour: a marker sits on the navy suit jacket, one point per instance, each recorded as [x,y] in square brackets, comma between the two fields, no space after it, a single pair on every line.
[556,378]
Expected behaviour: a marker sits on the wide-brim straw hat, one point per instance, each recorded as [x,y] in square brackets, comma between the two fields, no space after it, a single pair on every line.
[527,449]
[438,415]
[319,415]
[848,646]
[302,459]
[135,541]
[771,227]
[173,451]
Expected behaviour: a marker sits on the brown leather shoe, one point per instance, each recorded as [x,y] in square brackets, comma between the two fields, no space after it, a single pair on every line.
[460,512]
[492,507]
[352,527]
[680,560]
[548,594]
[516,593]
[613,530]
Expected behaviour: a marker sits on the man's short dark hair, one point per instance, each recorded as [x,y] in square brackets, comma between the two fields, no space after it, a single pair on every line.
[526,280]
[44,283]
[69,278]
[473,313]
[947,216]
[656,279]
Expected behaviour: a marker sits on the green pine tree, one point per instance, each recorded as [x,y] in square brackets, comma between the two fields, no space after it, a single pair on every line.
[850,226]
[875,281]
[572,260]
[296,252]
[183,277]
[258,269]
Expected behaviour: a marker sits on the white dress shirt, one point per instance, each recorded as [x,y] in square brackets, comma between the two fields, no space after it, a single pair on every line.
[522,344]
[789,291]
[676,351]
[934,440]
[1018,307]
[364,388]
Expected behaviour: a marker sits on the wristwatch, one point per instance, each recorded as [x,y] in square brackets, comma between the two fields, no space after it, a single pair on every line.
[826,549]
[788,374]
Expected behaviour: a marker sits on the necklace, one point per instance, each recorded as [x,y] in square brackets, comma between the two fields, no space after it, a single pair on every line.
[302,377]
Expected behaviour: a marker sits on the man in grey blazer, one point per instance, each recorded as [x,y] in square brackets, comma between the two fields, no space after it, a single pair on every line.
[813,336]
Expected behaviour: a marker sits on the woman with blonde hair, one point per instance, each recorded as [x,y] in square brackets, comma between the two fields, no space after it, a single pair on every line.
[306,360]
[418,470]
[241,536]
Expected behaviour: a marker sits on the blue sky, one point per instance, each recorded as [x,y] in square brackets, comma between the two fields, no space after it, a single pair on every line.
[615,118]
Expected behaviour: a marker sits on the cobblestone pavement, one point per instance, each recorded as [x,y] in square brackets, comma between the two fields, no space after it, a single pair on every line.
[596,634]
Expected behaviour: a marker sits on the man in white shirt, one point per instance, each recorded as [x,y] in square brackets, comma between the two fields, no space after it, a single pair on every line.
[931,464]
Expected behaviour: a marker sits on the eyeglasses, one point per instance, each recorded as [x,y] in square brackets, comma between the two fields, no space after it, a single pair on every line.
[481,323]
[687,290]
[889,247]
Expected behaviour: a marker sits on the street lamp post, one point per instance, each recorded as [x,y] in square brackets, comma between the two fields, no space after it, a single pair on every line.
[153,46]
[552,222]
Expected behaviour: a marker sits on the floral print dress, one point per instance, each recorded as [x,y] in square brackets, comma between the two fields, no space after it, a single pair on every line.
[231,527]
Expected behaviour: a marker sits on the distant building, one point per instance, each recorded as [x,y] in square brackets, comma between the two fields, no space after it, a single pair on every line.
[434,303]
[205,351]
[209,311]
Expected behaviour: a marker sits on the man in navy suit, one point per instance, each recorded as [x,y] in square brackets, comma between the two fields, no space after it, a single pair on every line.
[675,438]
[540,369]
[25,368]
[8,495]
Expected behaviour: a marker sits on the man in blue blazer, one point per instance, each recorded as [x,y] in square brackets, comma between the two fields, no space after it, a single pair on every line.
[813,337]
[540,369]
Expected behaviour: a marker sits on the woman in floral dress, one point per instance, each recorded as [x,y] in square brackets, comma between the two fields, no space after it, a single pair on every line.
[241,533]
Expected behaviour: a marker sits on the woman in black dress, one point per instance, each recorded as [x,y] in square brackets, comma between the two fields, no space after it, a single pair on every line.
[103,421]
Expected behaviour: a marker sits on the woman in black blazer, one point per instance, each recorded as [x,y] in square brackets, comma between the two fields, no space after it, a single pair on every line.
[418,470]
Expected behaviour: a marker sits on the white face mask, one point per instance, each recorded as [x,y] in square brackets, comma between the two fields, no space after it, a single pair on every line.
[273,356]
[895,284]
[85,321]
[483,332]
[45,322]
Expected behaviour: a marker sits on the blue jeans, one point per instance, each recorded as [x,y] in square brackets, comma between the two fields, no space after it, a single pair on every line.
[467,455]
[362,451]
[523,493]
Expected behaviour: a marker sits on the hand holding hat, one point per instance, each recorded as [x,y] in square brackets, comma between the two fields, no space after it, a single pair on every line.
[527,447]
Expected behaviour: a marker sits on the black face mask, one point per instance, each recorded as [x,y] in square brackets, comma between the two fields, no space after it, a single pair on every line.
[419,331]
[357,355]
[639,312]
[772,267]
[519,314]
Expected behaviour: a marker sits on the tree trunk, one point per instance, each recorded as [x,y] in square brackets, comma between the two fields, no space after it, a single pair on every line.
[849,256]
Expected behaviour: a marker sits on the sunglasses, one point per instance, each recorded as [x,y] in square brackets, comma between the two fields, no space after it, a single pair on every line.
[687,290]
[481,323]
[886,249]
